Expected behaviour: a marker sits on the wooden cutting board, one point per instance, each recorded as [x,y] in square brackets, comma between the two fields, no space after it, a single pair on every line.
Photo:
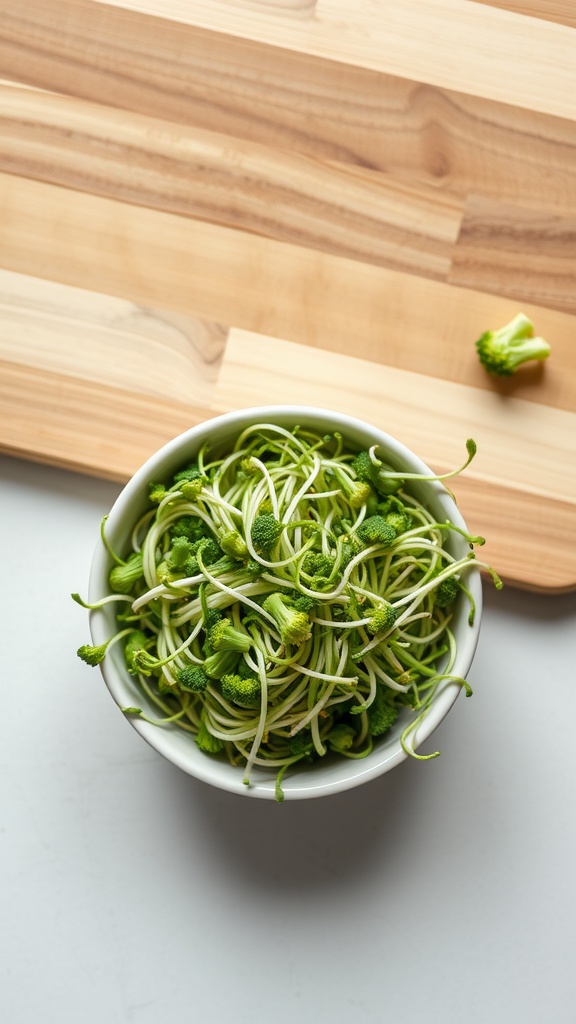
[220,204]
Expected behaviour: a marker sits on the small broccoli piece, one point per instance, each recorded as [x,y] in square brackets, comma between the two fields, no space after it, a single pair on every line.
[92,655]
[138,641]
[294,625]
[242,690]
[208,743]
[220,663]
[191,488]
[123,577]
[181,553]
[210,618]
[208,549]
[447,591]
[166,573]
[191,527]
[382,619]
[371,474]
[191,472]
[304,603]
[193,678]
[317,564]
[381,714]
[265,533]
[233,544]
[375,530]
[254,568]
[223,636]
[301,743]
[356,492]
[157,493]
[249,466]
[341,738]
[501,352]
[365,469]
[396,514]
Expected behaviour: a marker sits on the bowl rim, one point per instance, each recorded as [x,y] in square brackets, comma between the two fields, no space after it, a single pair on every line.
[306,782]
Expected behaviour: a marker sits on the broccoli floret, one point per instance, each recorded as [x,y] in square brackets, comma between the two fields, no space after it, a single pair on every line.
[193,678]
[265,533]
[136,642]
[181,553]
[317,564]
[210,551]
[364,468]
[341,737]
[304,603]
[242,690]
[254,568]
[375,530]
[356,492]
[157,493]
[192,488]
[501,352]
[396,514]
[123,577]
[369,473]
[223,636]
[210,618]
[447,591]
[382,619]
[381,714]
[234,545]
[294,625]
[220,663]
[208,743]
[191,472]
[191,527]
[92,655]
[301,743]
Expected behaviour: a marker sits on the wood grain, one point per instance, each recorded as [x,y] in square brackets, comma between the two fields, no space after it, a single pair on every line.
[85,426]
[532,540]
[481,50]
[225,180]
[103,339]
[518,252]
[561,11]
[294,101]
[521,444]
[218,274]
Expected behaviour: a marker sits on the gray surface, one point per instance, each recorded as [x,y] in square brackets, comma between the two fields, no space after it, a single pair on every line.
[443,892]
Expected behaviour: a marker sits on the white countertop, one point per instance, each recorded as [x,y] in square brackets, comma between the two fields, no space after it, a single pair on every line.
[444,892]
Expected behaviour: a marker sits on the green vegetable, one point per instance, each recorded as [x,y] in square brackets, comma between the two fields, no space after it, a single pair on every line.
[294,604]
[242,690]
[293,624]
[501,352]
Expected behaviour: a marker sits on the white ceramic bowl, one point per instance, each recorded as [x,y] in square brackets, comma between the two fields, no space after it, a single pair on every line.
[321,778]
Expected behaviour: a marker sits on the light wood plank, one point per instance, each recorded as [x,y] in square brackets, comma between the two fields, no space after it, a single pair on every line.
[107,340]
[85,426]
[561,11]
[289,100]
[226,180]
[455,44]
[520,491]
[526,254]
[218,274]
[521,445]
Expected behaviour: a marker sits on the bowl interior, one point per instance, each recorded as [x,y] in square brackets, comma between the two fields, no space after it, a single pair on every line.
[332,774]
